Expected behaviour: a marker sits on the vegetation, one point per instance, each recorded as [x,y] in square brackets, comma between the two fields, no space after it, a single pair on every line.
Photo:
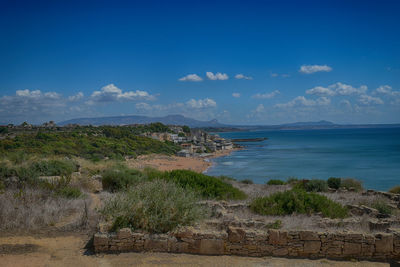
[275,182]
[120,177]
[207,186]
[157,207]
[334,182]
[382,207]
[350,183]
[88,142]
[297,201]
[395,189]
[292,180]
[316,185]
[247,181]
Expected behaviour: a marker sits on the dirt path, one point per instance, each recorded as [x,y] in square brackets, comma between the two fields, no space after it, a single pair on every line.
[69,250]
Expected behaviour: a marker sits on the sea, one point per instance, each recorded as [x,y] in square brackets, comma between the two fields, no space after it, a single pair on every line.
[370,155]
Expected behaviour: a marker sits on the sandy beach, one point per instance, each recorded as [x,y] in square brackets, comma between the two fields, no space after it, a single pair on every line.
[169,163]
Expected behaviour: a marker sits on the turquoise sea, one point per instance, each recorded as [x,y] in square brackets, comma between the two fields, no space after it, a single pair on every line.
[370,155]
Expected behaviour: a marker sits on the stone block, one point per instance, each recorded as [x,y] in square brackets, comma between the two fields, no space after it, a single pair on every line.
[156,245]
[351,249]
[280,252]
[309,236]
[124,233]
[100,239]
[236,235]
[383,243]
[277,237]
[212,247]
[311,247]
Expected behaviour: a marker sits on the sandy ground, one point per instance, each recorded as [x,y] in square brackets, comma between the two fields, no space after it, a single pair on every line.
[168,163]
[69,250]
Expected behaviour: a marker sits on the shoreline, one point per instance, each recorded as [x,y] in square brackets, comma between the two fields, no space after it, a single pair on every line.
[168,163]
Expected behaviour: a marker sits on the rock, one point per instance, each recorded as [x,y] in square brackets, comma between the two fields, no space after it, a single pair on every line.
[236,235]
[156,245]
[124,233]
[351,248]
[384,243]
[211,247]
[309,235]
[277,237]
[312,247]
[280,252]
[100,239]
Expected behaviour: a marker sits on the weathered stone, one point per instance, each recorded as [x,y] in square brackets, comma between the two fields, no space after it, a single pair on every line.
[311,246]
[100,239]
[333,251]
[124,233]
[309,235]
[212,247]
[384,243]
[156,245]
[236,235]
[277,237]
[351,248]
[280,252]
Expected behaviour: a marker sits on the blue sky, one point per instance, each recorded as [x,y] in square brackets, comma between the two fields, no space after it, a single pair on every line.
[245,62]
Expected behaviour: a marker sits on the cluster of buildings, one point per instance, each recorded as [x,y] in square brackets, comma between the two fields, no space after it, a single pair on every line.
[194,142]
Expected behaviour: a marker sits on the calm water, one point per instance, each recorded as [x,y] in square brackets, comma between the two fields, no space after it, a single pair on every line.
[370,155]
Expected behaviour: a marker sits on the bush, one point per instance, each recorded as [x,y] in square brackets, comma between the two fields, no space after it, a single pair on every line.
[351,183]
[246,181]
[382,207]
[297,201]
[334,182]
[207,186]
[316,185]
[395,189]
[275,182]
[120,177]
[69,192]
[156,206]
[54,167]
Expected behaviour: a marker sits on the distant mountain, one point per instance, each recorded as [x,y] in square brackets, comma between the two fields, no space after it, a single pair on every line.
[126,120]
[309,123]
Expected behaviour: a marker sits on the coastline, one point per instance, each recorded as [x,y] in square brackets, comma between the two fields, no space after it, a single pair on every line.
[169,163]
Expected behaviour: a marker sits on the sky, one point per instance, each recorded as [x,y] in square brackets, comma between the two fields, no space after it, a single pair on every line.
[240,62]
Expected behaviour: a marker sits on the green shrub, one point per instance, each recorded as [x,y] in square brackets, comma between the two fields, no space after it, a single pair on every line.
[382,207]
[275,225]
[69,192]
[54,167]
[247,181]
[297,201]
[226,178]
[275,182]
[334,182]
[120,177]
[349,183]
[316,185]
[395,189]
[157,207]
[207,186]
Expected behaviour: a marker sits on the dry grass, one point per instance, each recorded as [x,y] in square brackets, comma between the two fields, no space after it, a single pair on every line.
[36,208]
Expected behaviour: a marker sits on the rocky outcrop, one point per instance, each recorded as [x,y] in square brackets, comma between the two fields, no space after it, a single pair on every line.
[258,243]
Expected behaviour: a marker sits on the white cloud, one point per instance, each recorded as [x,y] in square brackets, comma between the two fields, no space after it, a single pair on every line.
[111,93]
[236,95]
[274,75]
[267,95]
[201,103]
[309,69]
[217,76]
[241,76]
[260,108]
[370,100]
[345,89]
[387,90]
[191,78]
[321,91]
[301,101]
[76,97]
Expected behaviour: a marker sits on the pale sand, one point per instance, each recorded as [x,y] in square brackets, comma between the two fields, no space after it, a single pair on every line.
[169,163]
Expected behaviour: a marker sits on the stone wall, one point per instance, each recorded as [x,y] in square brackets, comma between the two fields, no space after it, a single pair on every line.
[245,242]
